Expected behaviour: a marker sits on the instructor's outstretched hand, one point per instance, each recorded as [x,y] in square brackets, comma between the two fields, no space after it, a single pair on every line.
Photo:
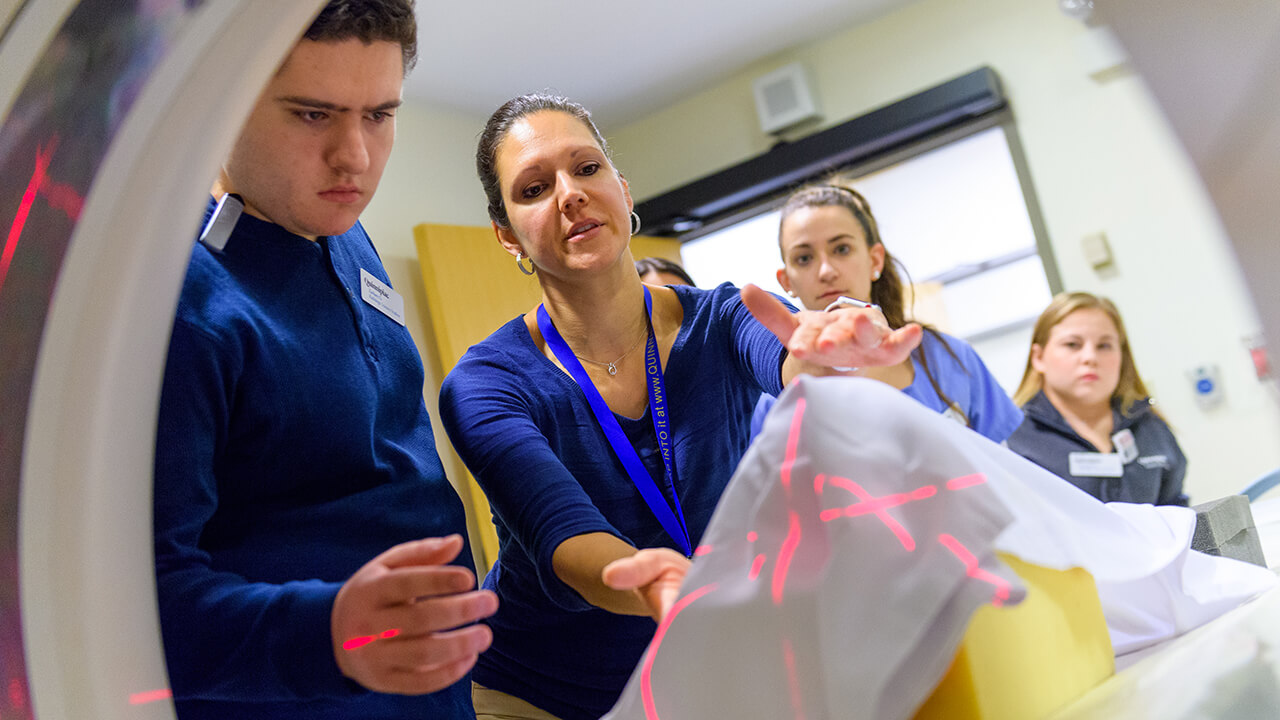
[844,337]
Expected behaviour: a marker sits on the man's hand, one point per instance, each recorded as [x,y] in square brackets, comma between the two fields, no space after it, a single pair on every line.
[845,337]
[654,574]
[393,621]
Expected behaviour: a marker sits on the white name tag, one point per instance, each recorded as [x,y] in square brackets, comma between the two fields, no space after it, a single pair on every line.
[1092,464]
[1125,445]
[381,296]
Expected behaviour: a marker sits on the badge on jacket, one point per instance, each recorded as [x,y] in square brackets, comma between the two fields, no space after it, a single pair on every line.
[1126,447]
[1095,464]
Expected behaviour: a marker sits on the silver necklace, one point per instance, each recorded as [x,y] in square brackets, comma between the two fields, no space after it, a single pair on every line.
[612,367]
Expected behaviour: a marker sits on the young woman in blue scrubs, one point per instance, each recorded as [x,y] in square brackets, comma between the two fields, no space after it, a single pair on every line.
[831,249]
[608,419]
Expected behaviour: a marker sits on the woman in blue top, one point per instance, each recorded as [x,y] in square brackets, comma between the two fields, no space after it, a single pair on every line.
[609,418]
[831,250]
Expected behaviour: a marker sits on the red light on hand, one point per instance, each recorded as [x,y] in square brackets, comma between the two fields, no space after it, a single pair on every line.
[356,643]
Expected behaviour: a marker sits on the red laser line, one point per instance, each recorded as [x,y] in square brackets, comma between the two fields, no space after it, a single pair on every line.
[362,640]
[961,483]
[150,696]
[793,680]
[756,566]
[358,642]
[43,157]
[972,570]
[646,681]
[817,483]
[785,556]
[788,551]
[702,550]
[751,536]
[793,441]
[878,507]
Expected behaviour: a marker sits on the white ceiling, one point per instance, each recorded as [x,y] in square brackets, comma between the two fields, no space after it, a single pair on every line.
[620,59]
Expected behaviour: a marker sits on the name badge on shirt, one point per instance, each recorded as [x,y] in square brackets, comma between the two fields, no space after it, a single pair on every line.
[1126,446]
[1093,464]
[381,296]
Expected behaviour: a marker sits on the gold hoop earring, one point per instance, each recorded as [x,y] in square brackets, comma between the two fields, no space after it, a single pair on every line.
[519,257]
[635,223]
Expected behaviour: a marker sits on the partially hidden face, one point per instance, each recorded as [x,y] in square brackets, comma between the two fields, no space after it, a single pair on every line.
[825,255]
[311,154]
[1081,359]
[568,208]
[657,277]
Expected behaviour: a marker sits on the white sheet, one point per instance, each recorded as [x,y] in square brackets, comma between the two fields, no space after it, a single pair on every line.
[856,538]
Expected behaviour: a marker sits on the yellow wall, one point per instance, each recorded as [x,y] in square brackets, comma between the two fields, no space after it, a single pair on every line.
[1099,154]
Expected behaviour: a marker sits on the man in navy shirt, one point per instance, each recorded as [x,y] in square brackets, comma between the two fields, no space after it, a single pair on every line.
[309,554]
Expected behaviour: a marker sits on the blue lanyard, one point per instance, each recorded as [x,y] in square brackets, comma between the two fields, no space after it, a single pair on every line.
[672,521]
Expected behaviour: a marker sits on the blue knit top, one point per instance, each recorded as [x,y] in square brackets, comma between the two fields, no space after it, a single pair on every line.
[293,446]
[524,429]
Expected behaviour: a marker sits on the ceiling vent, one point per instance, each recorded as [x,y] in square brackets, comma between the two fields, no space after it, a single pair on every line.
[783,99]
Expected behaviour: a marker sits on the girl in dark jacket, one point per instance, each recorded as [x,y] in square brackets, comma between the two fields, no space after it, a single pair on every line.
[1088,417]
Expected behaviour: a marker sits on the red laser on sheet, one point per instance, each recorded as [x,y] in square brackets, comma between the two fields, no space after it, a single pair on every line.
[788,550]
[150,696]
[793,679]
[966,481]
[971,568]
[867,504]
[646,672]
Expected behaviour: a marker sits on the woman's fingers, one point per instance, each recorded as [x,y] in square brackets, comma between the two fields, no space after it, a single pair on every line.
[770,312]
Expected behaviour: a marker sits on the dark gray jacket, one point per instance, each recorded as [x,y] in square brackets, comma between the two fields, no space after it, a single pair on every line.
[1154,477]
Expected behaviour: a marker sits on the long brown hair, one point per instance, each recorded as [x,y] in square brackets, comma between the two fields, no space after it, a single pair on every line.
[1129,390]
[887,291]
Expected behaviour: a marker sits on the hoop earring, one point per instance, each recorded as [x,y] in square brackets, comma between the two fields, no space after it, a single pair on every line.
[519,257]
[635,223]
